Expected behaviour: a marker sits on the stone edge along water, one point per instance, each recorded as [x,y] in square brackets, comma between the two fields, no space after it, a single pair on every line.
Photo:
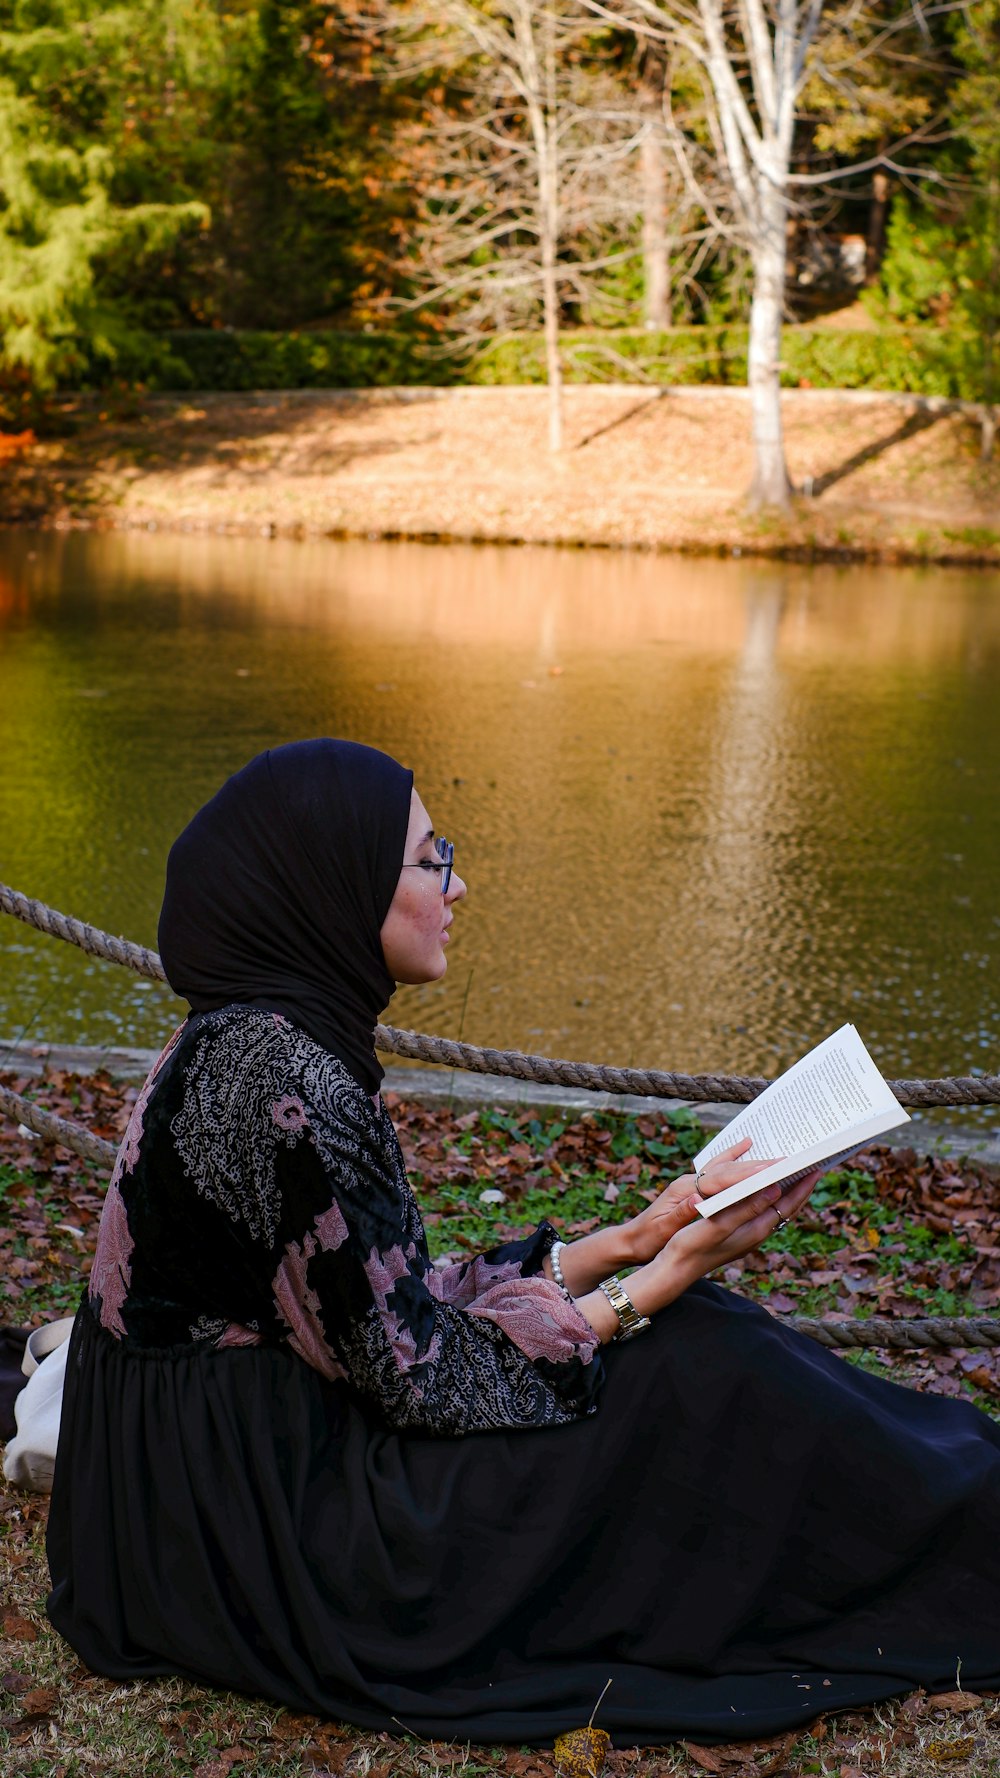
[445,1086]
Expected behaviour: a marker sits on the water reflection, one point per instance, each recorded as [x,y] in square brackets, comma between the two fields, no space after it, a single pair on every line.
[707,810]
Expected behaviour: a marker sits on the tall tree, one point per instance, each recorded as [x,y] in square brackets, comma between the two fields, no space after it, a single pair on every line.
[656,193]
[941,268]
[522,147]
[294,182]
[755,59]
[62,220]
[880,87]
[173,163]
[754,56]
[977,113]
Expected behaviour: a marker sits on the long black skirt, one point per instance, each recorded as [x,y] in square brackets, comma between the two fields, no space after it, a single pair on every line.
[748,1532]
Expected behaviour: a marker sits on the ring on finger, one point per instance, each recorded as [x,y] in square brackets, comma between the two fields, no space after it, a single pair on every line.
[782,1222]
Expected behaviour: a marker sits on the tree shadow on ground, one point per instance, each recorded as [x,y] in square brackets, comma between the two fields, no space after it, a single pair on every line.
[253,436]
[918,422]
[650,399]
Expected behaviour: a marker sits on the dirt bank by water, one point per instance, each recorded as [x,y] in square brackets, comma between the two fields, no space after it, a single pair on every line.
[891,478]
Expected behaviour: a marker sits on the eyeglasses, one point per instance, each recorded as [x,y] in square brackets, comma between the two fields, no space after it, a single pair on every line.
[442,863]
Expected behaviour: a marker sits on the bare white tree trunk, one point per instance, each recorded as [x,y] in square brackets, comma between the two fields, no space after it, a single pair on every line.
[540,92]
[771,485]
[753,56]
[549,194]
[655,242]
[757,142]
[553,362]
[653,186]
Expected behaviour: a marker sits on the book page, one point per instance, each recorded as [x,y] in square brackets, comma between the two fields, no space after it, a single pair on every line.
[833,1099]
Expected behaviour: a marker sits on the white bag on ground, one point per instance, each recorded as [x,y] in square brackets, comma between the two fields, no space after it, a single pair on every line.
[31,1454]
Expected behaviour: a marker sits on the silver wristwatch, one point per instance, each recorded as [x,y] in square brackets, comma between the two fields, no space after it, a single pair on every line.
[629,1319]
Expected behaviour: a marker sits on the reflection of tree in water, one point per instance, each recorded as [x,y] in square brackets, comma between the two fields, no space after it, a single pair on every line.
[735,806]
[758,800]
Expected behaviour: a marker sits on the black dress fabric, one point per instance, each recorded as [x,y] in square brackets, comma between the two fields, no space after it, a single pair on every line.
[298,1461]
[12,1378]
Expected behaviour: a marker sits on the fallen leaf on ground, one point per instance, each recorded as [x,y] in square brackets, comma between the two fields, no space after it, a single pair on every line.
[954,1700]
[19,1629]
[42,1701]
[290,1728]
[704,1757]
[944,1751]
[582,1753]
[776,1763]
[328,1756]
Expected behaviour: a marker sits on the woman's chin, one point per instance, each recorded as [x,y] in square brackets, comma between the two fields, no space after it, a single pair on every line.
[420,976]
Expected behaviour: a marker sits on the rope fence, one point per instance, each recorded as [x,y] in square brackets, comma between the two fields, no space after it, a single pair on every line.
[937,1333]
[56,1129]
[447,1052]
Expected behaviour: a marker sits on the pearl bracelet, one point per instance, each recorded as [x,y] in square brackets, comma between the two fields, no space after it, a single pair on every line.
[557,1272]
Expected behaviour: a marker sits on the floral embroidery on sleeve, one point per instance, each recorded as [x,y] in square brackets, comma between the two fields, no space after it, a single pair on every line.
[461,1284]
[235,1335]
[111,1273]
[331,1228]
[383,1276]
[541,1320]
[301,1310]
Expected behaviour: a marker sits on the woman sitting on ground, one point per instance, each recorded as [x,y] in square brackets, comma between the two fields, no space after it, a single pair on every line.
[297,1460]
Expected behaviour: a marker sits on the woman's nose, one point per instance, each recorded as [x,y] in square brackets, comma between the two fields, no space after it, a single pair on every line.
[457,888]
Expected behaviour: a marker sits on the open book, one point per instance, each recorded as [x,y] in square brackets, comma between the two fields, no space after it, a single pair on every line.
[827,1106]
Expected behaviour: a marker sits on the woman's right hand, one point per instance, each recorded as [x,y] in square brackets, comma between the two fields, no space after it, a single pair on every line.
[713,1241]
[677,1205]
[699,1248]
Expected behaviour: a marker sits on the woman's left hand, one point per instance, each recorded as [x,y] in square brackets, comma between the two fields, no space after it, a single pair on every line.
[649,1232]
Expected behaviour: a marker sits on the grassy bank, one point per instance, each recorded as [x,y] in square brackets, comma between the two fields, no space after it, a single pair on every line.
[896,1234]
[890,478]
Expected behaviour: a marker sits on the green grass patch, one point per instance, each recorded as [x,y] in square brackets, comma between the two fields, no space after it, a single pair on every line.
[975,536]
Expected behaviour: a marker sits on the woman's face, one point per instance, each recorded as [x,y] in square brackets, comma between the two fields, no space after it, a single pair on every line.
[415,930]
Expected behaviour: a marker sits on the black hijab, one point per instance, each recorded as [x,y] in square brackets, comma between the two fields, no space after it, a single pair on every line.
[278,888]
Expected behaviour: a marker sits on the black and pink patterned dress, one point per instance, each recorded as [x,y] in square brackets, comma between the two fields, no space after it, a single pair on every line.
[260,1197]
[298,1460]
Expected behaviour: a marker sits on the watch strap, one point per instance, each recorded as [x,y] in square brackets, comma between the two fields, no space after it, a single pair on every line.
[630,1321]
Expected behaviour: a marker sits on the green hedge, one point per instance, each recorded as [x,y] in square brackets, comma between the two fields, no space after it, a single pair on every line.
[818,357]
[901,358]
[225,359]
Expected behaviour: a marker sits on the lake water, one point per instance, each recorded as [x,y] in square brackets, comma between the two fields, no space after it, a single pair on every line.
[707,810]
